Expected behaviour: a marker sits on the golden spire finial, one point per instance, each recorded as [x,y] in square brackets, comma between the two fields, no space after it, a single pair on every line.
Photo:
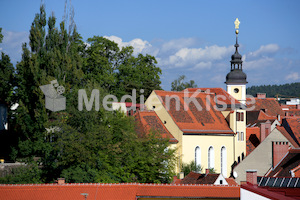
[237,24]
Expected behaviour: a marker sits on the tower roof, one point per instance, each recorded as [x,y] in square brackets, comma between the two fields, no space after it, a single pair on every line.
[236,74]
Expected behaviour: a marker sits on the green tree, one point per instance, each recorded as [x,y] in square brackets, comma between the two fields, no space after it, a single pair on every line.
[1,36]
[179,84]
[102,146]
[118,70]
[186,168]
[55,55]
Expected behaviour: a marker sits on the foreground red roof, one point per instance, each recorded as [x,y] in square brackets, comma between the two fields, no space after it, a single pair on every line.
[274,193]
[131,191]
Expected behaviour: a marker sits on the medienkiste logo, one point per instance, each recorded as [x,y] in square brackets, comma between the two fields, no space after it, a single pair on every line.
[54,101]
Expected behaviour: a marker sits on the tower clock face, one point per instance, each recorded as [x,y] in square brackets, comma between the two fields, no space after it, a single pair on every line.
[236,90]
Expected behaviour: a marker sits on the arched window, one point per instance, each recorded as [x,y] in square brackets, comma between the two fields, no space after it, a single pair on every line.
[197,156]
[211,157]
[224,161]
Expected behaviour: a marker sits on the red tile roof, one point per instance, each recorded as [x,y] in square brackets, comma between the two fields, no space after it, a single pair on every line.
[287,136]
[148,120]
[220,92]
[270,105]
[252,139]
[128,191]
[290,161]
[231,182]
[292,126]
[198,178]
[274,193]
[191,119]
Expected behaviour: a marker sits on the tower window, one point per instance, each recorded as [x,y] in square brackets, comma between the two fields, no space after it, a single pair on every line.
[236,90]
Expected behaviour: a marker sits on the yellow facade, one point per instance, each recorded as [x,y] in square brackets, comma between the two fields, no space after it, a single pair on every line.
[187,143]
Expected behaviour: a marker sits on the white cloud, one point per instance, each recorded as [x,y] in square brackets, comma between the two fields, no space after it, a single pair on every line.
[12,44]
[196,57]
[265,50]
[202,65]
[177,44]
[139,45]
[258,63]
[294,76]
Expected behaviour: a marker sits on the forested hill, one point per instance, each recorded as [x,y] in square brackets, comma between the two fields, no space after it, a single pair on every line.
[285,90]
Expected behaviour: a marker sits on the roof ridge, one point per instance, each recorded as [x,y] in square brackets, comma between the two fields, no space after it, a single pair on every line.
[114,184]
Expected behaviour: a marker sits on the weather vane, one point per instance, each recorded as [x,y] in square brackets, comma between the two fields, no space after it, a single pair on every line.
[237,24]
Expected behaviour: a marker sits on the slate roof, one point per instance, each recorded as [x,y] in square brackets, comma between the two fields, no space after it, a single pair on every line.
[288,163]
[148,120]
[194,118]
[270,106]
[128,191]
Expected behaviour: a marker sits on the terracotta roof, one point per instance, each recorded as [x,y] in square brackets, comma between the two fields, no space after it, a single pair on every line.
[115,191]
[287,136]
[288,163]
[274,193]
[270,106]
[292,126]
[148,120]
[293,112]
[198,117]
[252,139]
[229,100]
[231,182]
[198,178]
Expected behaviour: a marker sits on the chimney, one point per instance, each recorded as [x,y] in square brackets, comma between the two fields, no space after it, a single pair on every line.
[278,118]
[261,95]
[279,150]
[60,181]
[206,171]
[251,177]
[265,129]
[298,106]
[174,179]
[181,175]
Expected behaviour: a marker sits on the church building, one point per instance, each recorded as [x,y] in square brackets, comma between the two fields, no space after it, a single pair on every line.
[208,124]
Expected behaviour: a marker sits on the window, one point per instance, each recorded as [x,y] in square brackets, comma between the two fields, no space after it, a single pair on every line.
[239,159]
[223,162]
[236,90]
[221,182]
[211,157]
[240,116]
[197,156]
[238,135]
[242,136]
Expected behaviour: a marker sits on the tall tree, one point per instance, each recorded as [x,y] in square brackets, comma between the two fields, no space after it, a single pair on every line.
[179,84]
[118,70]
[55,55]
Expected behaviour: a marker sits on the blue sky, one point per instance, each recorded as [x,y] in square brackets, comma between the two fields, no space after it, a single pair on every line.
[194,37]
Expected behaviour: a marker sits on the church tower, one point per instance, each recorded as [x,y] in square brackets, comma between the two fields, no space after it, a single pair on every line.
[236,79]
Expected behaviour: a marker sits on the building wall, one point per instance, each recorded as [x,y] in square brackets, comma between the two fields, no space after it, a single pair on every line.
[260,158]
[164,116]
[190,142]
[240,144]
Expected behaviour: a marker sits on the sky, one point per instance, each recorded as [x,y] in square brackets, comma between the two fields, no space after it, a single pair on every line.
[194,38]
